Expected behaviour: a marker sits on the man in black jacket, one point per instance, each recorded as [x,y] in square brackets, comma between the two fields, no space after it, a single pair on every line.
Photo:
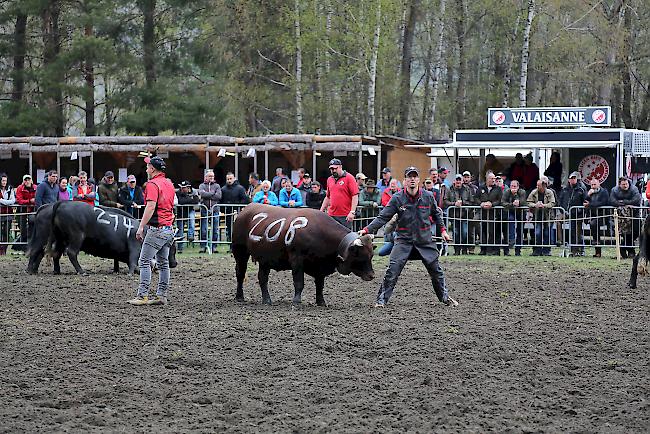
[185,213]
[232,194]
[490,197]
[131,197]
[416,209]
[597,197]
[574,195]
[627,199]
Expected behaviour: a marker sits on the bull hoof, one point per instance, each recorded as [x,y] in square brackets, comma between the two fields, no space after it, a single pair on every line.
[239,299]
[296,301]
[32,272]
[84,274]
[57,271]
[631,286]
[321,303]
[267,301]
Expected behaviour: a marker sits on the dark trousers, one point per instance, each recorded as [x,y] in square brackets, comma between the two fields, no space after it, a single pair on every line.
[490,232]
[400,254]
[343,221]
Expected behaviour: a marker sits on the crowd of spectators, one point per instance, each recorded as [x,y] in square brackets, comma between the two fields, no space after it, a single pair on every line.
[487,210]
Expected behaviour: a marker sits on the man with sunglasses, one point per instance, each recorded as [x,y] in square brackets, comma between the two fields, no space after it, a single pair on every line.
[131,196]
[108,191]
[342,195]
[416,210]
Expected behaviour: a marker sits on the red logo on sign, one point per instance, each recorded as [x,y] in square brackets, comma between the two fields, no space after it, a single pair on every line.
[594,167]
[498,117]
[598,116]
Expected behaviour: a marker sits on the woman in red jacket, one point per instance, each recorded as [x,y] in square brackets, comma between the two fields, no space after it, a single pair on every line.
[393,188]
[85,191]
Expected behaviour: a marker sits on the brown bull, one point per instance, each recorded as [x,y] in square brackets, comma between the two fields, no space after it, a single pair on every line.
[302,240]
[640,265]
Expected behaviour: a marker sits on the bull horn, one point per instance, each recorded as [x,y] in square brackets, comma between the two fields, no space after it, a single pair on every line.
[357,242]
[177,239]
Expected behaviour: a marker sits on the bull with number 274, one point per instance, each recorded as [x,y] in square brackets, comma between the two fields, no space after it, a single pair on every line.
[72,227]
[302,240]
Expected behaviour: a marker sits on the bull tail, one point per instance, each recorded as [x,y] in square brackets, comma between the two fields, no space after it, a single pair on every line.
[51,241]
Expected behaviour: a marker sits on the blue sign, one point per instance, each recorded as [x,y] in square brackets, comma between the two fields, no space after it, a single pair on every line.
[550,116]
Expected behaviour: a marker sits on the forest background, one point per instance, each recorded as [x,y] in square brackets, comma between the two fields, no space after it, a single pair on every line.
[413,68]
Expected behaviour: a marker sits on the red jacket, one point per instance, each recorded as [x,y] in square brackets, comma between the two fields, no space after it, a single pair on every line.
[386,196]
[25,195]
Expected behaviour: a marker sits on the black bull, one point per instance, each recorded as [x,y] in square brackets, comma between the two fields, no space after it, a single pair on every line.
[100,231]
[302,240]
[640,261]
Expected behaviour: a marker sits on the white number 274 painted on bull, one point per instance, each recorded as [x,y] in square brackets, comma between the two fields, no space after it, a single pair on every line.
[296,223]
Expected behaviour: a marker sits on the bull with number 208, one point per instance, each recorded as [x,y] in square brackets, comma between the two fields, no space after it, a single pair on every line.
[303,240]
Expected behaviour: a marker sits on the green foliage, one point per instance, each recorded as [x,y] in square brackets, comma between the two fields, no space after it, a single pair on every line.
[229,66]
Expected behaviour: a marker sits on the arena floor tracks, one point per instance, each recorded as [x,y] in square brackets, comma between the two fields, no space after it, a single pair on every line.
[536,345]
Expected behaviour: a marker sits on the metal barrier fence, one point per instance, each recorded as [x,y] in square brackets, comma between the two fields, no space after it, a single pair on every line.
[543,228]
[491,229]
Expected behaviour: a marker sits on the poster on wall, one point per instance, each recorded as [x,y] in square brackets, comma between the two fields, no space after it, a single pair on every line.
[594,163]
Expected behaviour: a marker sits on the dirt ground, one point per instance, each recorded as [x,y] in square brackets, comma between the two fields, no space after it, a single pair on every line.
[536,345]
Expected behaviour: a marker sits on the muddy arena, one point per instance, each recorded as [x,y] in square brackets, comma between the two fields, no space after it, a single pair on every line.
[536,345]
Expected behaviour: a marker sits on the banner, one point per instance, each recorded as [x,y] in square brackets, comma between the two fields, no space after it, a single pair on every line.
[549,116]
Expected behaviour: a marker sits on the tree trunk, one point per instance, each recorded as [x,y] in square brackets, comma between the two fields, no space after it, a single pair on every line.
[19,58]
[55,78]
[300,127]
[435,75]
[148,8]
[626,82]
[461,89]
[331,92]
[405,78]
[372,82]
[89,97]
[525,53]
[510,58]
[611,33]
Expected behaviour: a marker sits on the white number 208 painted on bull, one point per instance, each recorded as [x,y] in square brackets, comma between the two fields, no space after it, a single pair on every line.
[296,223]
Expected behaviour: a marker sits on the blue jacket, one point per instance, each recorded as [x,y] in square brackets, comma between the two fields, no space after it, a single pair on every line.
[294,196]
[46,193]
[259,198]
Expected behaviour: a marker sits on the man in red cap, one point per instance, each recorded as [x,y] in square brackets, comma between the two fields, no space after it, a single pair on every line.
[342,195]
[158,217]
[416,210]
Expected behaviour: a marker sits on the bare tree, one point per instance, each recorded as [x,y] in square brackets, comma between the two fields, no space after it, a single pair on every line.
[405,79]
[300,126]
[373,74]
[525,53]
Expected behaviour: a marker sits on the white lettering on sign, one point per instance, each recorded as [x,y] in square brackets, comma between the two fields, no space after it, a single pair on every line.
[296,223]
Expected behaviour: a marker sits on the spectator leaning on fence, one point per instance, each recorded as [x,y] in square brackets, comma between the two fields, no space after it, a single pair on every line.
[305,186]
[513,200]
[131,196]
[458,197]
[185,214]
[85,190]
[26,198]
[7,200]
[571,199]
[65,193]
[489,197]
[48,190]
[315,196]
[266,196]
[210,193]
[254,185]
[597,197]
[389,192]
[626,198]
[232,194]
[107,191]
[290,197]
[369,197]
[541,201]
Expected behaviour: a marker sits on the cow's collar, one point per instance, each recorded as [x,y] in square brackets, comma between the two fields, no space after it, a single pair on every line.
[345,243]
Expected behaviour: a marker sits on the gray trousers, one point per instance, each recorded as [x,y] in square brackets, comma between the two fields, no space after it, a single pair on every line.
[156,243]
[400,254]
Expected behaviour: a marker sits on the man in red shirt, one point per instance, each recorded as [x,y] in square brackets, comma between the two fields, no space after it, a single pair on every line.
[158,218]
[342,195]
